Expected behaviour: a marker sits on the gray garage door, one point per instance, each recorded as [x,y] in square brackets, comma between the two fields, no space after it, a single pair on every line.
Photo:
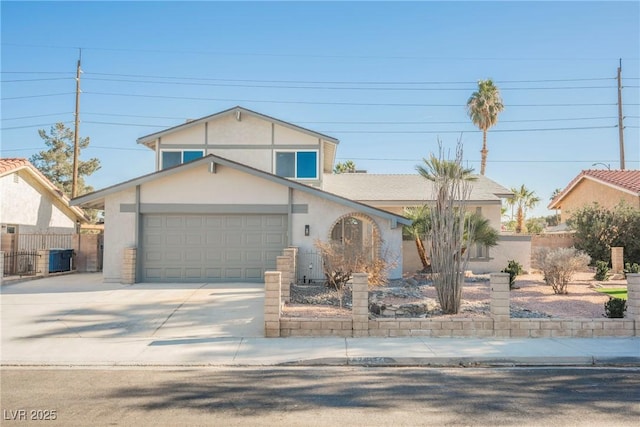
[192,248]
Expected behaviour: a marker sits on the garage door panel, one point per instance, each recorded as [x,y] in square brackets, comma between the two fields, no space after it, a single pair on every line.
[233,273]
[211,247]
[174,222]
[253,273]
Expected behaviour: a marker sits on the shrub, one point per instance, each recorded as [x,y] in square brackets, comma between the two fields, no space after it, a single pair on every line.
[514,268]
[602,271]
[631,268]
[597,230]
[559,265]
[615,308]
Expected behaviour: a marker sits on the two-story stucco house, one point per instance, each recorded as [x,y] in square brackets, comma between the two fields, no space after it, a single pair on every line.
[233,189]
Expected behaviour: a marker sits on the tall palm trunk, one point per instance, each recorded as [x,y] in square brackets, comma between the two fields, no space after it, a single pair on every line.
[519,219]
[422,253]
[484,152]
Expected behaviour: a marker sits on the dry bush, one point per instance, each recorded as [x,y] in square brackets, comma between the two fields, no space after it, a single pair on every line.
[559,265]
[341,260]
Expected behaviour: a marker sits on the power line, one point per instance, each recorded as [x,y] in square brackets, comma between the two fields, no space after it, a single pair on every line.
[455,122]
[37,115]
[274,86]
[478,160]
[465,131]
[307,55]
[339,103]
[36,80]
[372,82]
[32,126]
[37,96]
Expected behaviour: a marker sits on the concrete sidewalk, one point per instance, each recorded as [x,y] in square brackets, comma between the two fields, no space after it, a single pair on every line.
[323,351]
[77,320]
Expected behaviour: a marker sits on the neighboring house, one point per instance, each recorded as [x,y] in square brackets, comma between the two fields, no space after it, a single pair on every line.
[233,189]
[607,188]
[30,204]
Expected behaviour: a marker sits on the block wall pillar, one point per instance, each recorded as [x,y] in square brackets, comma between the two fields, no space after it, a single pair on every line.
[633,298]
[128,273]
[360,304]
[617,259]
[500,304]
[42,267]
[283,265]
[272,303]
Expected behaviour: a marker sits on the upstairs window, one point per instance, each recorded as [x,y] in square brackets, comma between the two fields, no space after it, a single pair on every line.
[174,158]
[297,164]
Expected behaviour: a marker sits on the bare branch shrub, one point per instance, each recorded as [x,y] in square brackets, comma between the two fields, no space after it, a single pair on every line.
[341,260]
[559,265]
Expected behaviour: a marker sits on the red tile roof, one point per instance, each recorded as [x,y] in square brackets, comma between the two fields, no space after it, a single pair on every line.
[628,180]
[9,164]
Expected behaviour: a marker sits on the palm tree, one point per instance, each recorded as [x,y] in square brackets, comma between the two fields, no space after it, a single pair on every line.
[478,230]
[418,230]
[483,108]
[347,167]
[524,199]
[437,170]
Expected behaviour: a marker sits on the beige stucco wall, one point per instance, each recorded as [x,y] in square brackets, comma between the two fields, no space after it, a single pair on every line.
[226,186]
[517,248]
[119,233]
[588,191]
[323,214]
[229,186]
[30,206]
[251,141]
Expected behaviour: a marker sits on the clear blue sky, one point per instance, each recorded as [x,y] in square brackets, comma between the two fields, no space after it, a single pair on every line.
[388,79]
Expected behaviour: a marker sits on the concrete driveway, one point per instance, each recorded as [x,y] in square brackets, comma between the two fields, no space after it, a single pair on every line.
[82,306]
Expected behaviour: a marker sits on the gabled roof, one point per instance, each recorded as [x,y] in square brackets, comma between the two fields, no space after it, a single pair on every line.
[96,199]
[404,189]
[627,181]
[15,165]
[149,139]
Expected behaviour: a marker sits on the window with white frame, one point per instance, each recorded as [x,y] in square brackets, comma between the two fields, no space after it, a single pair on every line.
[297,164]
[171,158]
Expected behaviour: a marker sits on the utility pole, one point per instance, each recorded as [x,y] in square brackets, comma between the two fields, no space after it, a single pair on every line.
[620,117]
[76,145]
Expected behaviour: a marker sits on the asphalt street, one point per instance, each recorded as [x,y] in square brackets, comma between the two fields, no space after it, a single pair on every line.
[321,396]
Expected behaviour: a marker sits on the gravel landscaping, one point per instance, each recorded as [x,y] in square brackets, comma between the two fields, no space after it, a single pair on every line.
[415,296]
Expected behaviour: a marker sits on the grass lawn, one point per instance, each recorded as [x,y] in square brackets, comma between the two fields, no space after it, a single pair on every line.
[614,292]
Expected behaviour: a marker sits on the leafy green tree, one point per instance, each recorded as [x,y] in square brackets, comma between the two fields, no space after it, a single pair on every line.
[483,108]
[555,194]
[597,230]
[345,167]
[524,200]
[535,225]
[56,163]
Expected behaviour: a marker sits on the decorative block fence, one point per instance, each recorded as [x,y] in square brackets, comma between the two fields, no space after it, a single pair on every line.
[498,324]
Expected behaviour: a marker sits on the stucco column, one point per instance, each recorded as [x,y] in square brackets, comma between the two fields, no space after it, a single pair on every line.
[128,274]
[633,298]
[360,304]
[272,303]
[500,310]
[42,263]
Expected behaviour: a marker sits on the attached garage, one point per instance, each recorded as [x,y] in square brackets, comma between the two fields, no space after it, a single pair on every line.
[196,248]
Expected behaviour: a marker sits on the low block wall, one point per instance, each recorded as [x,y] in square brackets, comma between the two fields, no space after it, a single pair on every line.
[498,324]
